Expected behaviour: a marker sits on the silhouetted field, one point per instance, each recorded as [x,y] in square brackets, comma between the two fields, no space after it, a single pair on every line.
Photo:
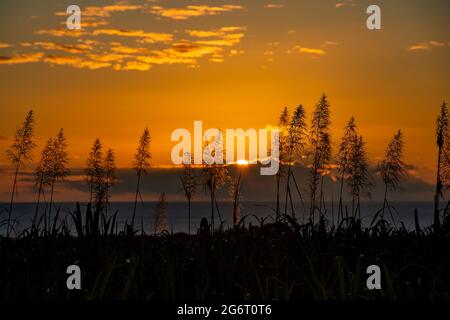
[284,260]
[288,259]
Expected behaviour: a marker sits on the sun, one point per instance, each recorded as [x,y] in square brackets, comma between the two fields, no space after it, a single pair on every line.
[242,162]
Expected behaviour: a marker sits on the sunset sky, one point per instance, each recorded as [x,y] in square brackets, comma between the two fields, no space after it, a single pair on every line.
[231,64]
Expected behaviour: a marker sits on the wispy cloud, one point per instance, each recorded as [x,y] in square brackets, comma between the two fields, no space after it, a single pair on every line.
[437,44]
[149,37]
[21,58]
[214,32]
[423,46]
[330,43]
[133,65]
[63,32]
[273,6]
[75,61]
[4,45]
[345,3]
[95,16]
[185,52]
[234,52]
[131,49]
[311,51]
[107,57]
[217,58]
[269,56]
[117,47]
[225,36]
[192,11]
[91,22]
[181,52]
[69,48]
[426,45]
[226,42]
[104,11]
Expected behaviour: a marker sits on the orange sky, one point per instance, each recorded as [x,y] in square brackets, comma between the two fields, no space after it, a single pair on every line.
[231,64]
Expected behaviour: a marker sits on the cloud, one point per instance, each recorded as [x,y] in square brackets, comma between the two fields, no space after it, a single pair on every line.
[426,45]
[204,33]
[4,45]
[273,6]
[193,50]
[192,11]
[205,44]
[182,52]
[437,44]
[92,54]
[122,49]
[227,41]
[75,62]
[104,11]
[148,37]
[217,59]
[62,60]
[91,22]
[344,3]
[419,47]
[51,46]
[166,57]
[311,51]
[214,32]
[258,188]
[234,52]
[95,16]
[330,43]
[108,57]
[133,65]
[21,58]
[63,32]
[227,36]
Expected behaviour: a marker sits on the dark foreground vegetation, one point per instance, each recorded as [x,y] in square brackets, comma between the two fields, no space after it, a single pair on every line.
[283,260]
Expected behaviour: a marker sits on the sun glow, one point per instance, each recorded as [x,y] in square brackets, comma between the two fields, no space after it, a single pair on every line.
[242,162]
